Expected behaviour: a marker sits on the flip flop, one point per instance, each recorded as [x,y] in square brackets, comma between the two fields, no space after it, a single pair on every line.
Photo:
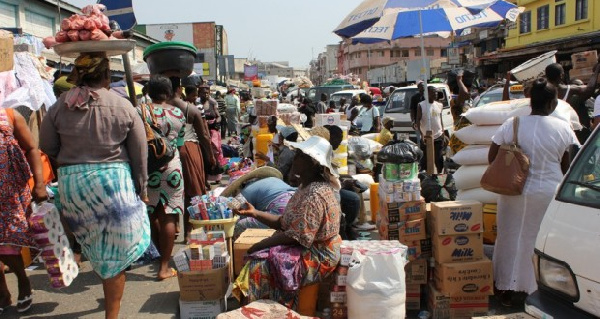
[173,274]
[24,304]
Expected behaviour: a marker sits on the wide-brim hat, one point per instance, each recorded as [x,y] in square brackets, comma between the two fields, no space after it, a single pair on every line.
[319,149]
[262,172]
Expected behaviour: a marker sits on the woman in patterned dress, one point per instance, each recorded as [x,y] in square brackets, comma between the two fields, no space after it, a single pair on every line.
[165,186]
[306,247]
[17,154]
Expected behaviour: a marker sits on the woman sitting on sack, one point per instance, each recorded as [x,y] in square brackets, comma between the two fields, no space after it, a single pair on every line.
[306,247]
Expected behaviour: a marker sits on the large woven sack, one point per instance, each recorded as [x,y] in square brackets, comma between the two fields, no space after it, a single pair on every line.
[475,134]
[472,155]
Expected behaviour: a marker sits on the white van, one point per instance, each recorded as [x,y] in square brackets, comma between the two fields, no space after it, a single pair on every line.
[567,249]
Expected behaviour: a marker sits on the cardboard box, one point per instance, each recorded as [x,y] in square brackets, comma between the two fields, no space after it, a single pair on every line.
[457,248]
[469,278]
[209,309]
[407,231]
[328,119]
[457,217]
[6,51]
[586,59]
[584,74]
[443,307]
[203,285]
[413,297]
[416,272]
[248,238]
[399,212]
[420,248]
[520,315]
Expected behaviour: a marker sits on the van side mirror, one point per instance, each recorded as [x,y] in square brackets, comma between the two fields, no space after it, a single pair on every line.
[573,150]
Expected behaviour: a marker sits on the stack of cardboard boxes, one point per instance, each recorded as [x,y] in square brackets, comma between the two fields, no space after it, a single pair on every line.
[248,238]
[203,275]
[463,278]
[583,65]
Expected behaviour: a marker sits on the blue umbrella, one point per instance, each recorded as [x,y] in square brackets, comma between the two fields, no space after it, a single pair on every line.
[370,11]
[407,23]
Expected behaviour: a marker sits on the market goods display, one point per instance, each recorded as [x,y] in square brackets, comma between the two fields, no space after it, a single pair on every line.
[56,252]
[92,25]
[583,65]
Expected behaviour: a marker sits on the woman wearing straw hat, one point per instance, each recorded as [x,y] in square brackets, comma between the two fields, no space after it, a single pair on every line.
[306,248]
[99,142]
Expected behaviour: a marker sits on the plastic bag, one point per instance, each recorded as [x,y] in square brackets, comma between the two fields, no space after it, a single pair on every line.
[376,286]
[438,188]
[360,148]
[400,152]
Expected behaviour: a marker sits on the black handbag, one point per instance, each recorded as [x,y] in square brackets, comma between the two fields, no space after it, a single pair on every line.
[160,151]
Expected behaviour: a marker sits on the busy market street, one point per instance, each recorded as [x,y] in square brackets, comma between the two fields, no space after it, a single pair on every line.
[390,159]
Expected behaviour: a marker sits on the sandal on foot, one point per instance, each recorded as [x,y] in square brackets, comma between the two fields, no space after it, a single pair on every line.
[24,304]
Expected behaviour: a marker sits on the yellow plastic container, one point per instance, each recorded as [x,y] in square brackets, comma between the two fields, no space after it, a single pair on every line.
[374,201]
[307,300]
[226,225]
[262,145]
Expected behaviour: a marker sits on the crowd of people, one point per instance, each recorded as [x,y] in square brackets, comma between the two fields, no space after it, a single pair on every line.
[122,197]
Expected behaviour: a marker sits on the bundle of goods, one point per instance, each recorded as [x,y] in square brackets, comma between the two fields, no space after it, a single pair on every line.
[360,150]
[375,280]
[288,114]
[213,207]
[352,291]
[265,107]
[462,275]
[237,167]
[92,25]
[478,137]
[583,65]
[203,274]
[56,252]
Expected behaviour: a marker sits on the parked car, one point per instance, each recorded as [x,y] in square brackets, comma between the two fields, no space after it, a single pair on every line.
[398,108]
[566,250]
[314,93]
[346,94]
[494,94]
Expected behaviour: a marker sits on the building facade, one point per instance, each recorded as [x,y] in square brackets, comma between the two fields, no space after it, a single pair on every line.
[358,59]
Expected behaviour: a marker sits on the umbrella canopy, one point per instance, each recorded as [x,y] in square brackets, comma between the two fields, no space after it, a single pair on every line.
[370,11]
[406,23]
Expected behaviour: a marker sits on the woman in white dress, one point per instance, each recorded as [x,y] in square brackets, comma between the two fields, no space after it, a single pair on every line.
[545,140]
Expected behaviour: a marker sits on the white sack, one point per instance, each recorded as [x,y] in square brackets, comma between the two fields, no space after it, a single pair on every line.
[478,194]
[472,155]
[376,286]
[475,134]
[366,179]
[469,176]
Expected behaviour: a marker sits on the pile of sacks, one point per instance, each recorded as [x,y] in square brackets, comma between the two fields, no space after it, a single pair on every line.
[478,137]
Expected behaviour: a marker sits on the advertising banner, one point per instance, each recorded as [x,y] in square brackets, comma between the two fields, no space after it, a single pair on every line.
[250,72]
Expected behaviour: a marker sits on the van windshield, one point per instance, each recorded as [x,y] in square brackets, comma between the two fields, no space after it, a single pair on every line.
[400,101]
[582,184]
[338,96]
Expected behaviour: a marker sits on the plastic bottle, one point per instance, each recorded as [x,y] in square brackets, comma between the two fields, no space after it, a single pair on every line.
[326,314]
[430,273]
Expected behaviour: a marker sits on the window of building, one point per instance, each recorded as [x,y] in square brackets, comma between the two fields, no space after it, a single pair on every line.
[382,54]
[429,52]
[525,22]
[369,53]
[444,53]
[405,53]
[543,15]
[418,52]
[38,24]
[8,15]
[560,14]
[581,9]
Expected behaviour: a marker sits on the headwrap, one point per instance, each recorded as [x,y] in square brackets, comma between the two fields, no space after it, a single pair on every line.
[86,64]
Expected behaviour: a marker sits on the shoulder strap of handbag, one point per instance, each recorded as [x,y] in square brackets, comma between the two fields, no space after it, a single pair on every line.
[516,131]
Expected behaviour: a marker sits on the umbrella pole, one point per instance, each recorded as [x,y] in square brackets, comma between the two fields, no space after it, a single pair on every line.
[129,79]
[429,150]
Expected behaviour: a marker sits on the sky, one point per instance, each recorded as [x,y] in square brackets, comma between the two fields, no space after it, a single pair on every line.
[267,30]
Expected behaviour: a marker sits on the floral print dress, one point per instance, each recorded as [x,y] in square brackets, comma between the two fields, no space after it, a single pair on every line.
[15,193]
[165,186]
[312,217]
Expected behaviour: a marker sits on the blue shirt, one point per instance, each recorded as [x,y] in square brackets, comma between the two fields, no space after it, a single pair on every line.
[262,192]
